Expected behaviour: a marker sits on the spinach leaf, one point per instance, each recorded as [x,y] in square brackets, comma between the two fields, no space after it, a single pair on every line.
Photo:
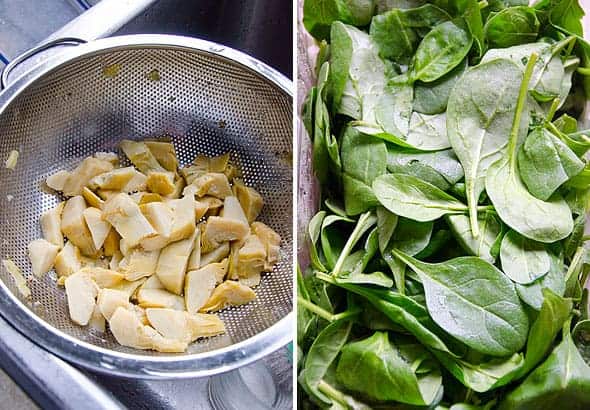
[554,280]
[464,292]
[408,196]
[565,128]
[512,26]
[489,230]
[441,50]
[364,158]
[386,224]
[385,5]
[545,163]
[423,172]
[304,317]
[428,132]
[389,372]
[574,241]
[314,228]
[440,239]
[581,336]
[523,260]
[431,98]
[318,15]
[553,314]
[393,112]
[331,239]
[563,378]
[410,236]
[479,118]
[444,162]
[542,221]
[375,278]
[322,353]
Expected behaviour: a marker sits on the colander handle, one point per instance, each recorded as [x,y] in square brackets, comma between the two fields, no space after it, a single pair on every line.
[99,21]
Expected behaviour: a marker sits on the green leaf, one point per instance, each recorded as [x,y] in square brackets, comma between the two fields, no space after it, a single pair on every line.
[545,163]
[389,370]
[444,162]
[562,378]
[393,112]
[318,15]
[358,196]
[386,224]
[432,98]
[322,353]
[314,228]
[413,198]
[554,280]
[428,132]
[489,230]
[523,260]
[441,50]
[410,236]
[421,171]
[375,278]
[479,119]
[331,240]
[465,292]
[512,26]
[581,337]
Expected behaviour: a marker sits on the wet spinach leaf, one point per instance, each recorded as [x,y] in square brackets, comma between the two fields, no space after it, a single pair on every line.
[512,26]
[523,260]
[489,230]
[432,98]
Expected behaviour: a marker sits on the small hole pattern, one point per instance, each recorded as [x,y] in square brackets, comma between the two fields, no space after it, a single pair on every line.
[205,104]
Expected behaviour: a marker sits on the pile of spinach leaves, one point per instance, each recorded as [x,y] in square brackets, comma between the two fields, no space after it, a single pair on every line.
[447,262]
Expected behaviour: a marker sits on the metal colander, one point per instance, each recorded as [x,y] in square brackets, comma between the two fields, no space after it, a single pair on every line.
[206,99]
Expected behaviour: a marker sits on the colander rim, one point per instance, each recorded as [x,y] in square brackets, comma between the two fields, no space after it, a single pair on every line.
[109,361]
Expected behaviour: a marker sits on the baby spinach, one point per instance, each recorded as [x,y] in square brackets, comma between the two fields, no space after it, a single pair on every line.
[441,50]
[391,372]
[386,224]
[318,15]
[411,237]
[581,337]
[432,98]
[523,260]
[554,280]
[542,221]
[408,196]
[444,162]
[479,119]
[428,132]
[421,171]
[465,291]
[489,230]
[512,26]
[545,163]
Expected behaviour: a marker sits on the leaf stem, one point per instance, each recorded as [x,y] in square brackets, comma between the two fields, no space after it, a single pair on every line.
[583,70]
[483,4]
[520,105]
[364,222]
[332,393]
[323,313]
[552,110]
[557,47]
[585,238]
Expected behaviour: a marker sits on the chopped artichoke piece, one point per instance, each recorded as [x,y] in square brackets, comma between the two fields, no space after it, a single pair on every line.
[17,275]
[139,264]
[140,313]
[12,159]
[194,261]
[124,247]
[142,198]
[129,288]
[214,205]
[184,218]
[251,257]
[164,153]
[213,184]
[140,155]
[92,199]
[203,165]
[79,177]
[250,200]
[129,331]
[161,217]
[51,225]
[232,270]
[42,255]
[115,180]
[179,186]
[81,292]
[191,173]
[218,163]
[68,260]
[251,281]
[111,243]
[229,293]
[97,321]
[125,216]
[104,278]
[177,325]
[109,300]
[58,180]
[232,171]
[111,157]
[105,194]
[272,243]
[160,182]
[116,259]
[99,229]
[152,283]
[74,226]
[218,230]
[172,264]
[216,255]
[159,298]
[199,286]
[201,209]
[233,210]
[137,183]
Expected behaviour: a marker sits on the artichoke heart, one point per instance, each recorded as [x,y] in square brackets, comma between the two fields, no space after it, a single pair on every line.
[213,184]
[249,198]
[74,226]
[218,230]
[83,173]
[81,292]
[125,216]
[229,293]
[184,326]
[42,255]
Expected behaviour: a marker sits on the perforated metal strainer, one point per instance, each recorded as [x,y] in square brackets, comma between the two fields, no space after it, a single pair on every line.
[207,99]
